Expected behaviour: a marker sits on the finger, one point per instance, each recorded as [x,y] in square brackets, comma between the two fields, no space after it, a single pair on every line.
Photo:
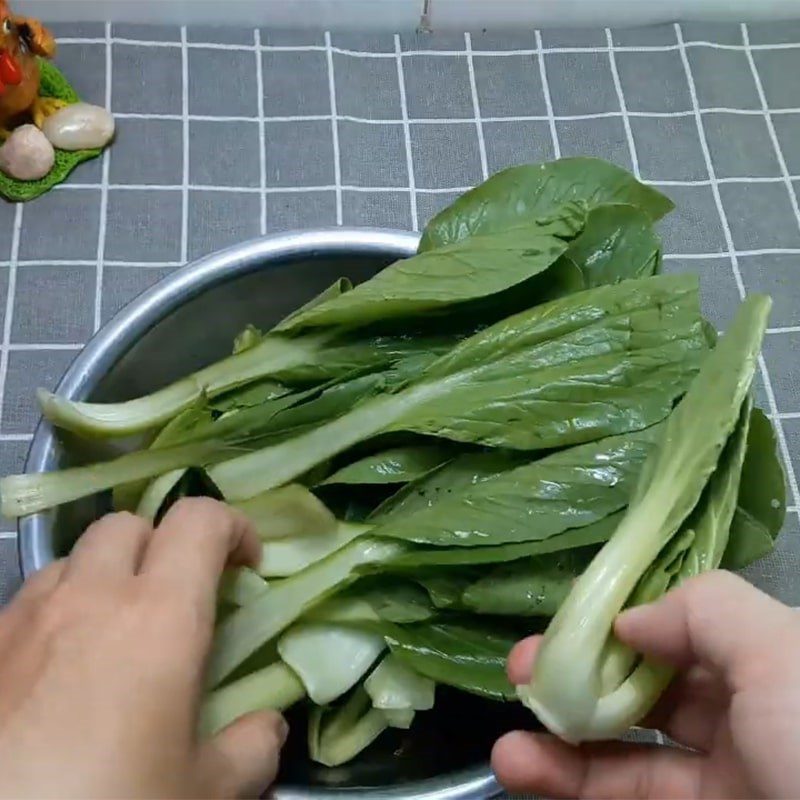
[541,764]
[717,620]
[691,709]
[242,760]
[40,585]
[110,548]
[520,660]
[196,540]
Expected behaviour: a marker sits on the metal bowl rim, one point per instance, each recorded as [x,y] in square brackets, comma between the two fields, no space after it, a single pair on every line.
[116,337]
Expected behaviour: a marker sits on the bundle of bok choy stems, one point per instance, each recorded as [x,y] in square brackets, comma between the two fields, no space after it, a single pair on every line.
[525,421]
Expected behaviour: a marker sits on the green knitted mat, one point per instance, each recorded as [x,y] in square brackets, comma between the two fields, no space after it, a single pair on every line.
[53,84]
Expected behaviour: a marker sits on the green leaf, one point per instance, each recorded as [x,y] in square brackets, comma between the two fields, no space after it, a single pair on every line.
[468,655]
[452,477]
[336,289]
[617,243]
[520,194]
[52,84]
[450,275]
[396,465]
[530,587]
[761,509]
[568,489]
[410,560]
[375,599]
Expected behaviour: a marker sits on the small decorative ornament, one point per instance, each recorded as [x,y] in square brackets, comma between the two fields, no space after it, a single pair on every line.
[32,89]
[27,154]
[80,126]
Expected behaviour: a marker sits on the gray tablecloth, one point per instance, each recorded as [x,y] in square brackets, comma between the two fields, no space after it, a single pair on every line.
[228,134]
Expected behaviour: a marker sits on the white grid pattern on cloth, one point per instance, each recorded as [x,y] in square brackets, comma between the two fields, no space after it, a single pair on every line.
[476,106]
[548,100]
[262,136]
[423,52]
[412,181]
[412,189]
[337,157]
[103,227]
[186,161]
[734,256]
[9,312]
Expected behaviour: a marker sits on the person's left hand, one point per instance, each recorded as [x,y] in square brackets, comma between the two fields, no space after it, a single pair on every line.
[102,665]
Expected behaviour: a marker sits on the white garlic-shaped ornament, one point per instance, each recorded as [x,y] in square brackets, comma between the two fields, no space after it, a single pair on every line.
[80,126]
[27,154]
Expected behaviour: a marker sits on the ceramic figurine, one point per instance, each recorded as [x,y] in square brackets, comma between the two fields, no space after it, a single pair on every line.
[33,90]
[21,41]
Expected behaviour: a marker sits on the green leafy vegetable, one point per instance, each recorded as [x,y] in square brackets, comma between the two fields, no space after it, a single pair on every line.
[761,511]
[396,465]
[602,362]
[466,654]
[564,688]
[520,194]
[451,274]
[288,512]
[618,243]
[523,423]
[530,587]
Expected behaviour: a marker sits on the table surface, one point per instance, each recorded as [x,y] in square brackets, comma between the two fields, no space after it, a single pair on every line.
[226,134]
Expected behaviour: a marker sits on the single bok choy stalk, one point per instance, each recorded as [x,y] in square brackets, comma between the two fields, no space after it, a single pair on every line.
[276,687]
[694,471]
[270,356]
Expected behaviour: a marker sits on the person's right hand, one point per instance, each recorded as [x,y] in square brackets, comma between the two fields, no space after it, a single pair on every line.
[735,703]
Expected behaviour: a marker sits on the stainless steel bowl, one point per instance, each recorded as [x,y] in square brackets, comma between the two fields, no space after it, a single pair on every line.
[186,321]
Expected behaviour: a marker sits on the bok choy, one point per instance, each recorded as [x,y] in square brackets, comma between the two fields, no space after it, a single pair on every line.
[523,423]
[566,691]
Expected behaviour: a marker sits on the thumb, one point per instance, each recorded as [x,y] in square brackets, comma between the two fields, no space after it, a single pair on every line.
[717,620]
[242,760]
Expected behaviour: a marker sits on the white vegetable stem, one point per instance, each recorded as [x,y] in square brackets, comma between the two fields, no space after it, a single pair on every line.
[255,624]
[246,476]
[329,659]
[338,736]
[157,492]
[394,687]
[289,556]
[275,687]
[134,416]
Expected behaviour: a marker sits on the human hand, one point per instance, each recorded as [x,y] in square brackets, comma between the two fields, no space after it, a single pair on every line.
[735,702]
[102,660]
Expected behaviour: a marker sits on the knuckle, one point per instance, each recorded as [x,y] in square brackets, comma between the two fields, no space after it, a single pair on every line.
[61,610]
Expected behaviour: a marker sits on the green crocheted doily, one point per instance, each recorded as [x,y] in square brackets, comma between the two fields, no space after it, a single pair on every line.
[53,84]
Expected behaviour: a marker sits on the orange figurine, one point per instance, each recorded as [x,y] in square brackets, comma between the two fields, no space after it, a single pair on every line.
[21,41]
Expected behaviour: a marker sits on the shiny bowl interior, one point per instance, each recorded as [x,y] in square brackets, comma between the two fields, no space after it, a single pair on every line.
[184,322]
